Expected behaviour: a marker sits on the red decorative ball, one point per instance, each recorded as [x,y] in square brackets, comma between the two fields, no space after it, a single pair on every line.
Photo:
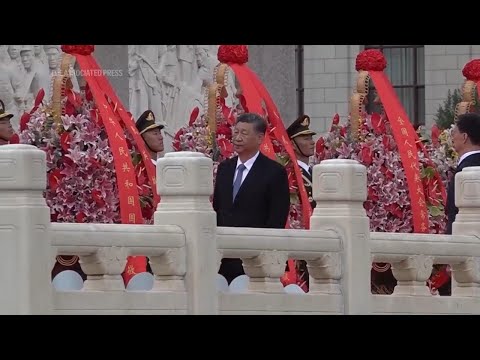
[78,49]
[471,70]
[370,60]
[237,54]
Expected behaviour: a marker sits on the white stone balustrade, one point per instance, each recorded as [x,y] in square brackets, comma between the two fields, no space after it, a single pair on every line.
[185,248]
[105,247]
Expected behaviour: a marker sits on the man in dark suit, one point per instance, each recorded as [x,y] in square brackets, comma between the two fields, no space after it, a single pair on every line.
[466,142]
[251,190]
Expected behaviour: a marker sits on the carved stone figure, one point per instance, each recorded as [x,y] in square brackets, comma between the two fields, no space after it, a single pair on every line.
[182,72]
[11,81]
[206,61]
[4,57]
[186,62]
[170,84]
[144,72]
[35,77]
[11,92]
[53,56]
[14,52]
[40,54]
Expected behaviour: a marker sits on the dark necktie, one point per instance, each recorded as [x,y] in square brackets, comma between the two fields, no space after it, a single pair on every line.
[238,180]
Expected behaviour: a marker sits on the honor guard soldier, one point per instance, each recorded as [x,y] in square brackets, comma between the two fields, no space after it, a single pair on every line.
[151,132]
[302,140]
[6,129]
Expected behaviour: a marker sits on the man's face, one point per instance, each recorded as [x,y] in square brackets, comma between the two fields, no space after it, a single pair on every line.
[154,139]
[27,58]
[37,49]
[459,139]
[6,129]
[53,56]
[202,55]
[13,51]
[305,145]
[246,139]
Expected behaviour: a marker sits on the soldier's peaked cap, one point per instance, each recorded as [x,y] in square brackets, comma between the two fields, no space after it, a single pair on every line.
[300,127]
[3,113]
[146,122]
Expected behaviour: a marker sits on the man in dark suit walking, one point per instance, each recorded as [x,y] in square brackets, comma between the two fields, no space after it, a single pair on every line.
[251,190]
[466,142]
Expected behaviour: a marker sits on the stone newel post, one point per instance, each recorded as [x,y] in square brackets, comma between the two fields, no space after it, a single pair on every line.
[185,183]
[340,189]
[24,232]
[466,275]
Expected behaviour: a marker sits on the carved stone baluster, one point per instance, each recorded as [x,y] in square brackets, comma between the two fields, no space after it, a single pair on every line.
[24,232]
[340,189]
[185,183]
[467,199]
[326,273]
[265,271]
[104,269]
[169,269]
[467,277]
[412,275]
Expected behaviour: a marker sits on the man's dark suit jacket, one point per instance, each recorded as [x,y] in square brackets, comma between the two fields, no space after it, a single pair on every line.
[263,201]
[451,210]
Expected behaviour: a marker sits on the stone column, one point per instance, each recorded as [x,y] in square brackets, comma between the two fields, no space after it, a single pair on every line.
[466,276]
[24,232]
[340,189]
[185,183]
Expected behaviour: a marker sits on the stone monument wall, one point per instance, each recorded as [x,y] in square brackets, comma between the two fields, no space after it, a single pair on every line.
[167,79]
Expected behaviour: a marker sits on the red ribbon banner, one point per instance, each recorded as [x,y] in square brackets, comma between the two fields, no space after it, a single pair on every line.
[405,137]
[130,126]
[130,210]
[281,134]
[254,102]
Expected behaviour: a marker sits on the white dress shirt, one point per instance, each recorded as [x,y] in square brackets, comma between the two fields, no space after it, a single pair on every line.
[304,166]
[248,165]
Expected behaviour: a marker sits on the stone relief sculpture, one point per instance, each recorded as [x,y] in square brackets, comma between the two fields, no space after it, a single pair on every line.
[11,81]
[10,84]
[170,84]
[178,74]
[186,62]
[53,58]
[15,60]
[36,76]
[145,63]
[24,70]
